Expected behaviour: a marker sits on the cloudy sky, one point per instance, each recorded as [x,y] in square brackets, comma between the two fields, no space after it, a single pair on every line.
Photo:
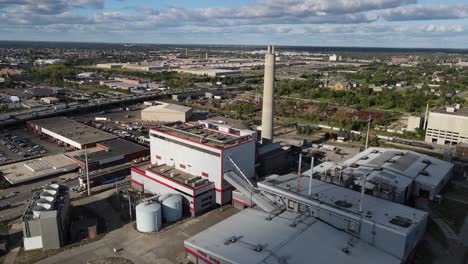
[375,23]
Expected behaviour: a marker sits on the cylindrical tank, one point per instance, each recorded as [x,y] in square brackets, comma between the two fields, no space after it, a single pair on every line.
[172,208]
[148,217]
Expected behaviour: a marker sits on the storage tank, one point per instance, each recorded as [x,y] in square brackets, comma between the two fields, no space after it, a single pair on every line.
[148,217]
[172,208]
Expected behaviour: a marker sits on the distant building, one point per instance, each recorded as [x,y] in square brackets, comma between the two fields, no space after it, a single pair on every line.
[212,72]
[164,112]
[110,65]
[339,85]
[43,62]
[46,218]
[448,126]
[50,100]
[334,58]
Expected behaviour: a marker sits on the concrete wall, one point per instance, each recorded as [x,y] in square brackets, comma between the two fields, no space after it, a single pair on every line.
[414,122]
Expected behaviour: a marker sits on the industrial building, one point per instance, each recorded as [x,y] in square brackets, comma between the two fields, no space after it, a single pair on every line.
[191,160]
[110,65]
[69,132]
[109,153]
[447,126]
[45,220]
[105,176]
[34,169]
[164,112]
[391,174]
[220,73]
[308,219]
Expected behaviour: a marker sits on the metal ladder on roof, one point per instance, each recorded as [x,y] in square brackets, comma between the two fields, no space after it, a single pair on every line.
[247,187]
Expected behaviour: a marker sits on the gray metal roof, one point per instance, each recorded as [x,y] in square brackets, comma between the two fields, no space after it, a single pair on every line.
[309,241]
[406,163]
[383,211]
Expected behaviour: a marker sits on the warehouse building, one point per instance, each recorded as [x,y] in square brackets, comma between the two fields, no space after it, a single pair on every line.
[194,155]
[325,223]
[106,176]
[109,153]
[447,126]
[395,175]
[164,112]
[219,73]
[30,170]
[46,218]
[68,132]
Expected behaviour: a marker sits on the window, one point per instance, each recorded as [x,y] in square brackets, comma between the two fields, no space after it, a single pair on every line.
[182,166]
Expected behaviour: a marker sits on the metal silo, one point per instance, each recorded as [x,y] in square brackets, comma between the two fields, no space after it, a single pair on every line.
[172,208]
[148,217]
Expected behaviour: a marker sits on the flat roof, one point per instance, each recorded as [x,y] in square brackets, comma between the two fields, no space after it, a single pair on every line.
[463,111]
[177,175]
[37,168]
[173,107]
[199,133]
[418,167]
[383,211]
[310,240]
[115,147]
[73,130]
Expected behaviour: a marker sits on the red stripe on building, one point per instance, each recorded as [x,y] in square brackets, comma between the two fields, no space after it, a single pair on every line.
[197,255]
[137,183]
[240,202]
[204,174]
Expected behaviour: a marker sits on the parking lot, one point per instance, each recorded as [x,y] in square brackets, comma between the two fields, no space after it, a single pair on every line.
[16,147]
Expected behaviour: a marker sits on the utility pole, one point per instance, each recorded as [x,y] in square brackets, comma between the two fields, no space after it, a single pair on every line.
[129,206]
[311,175]
[368,132]
[299,173]
[87,172]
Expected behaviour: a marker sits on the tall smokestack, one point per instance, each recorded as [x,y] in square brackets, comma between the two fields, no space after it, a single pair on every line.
[268,96]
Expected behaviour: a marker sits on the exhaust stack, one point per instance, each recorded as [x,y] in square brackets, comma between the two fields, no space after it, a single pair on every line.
[268,96]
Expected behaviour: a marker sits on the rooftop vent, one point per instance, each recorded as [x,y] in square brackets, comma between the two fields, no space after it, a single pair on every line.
[424,173]
[399,154]
[365,158]
[391,161]
[401,221]
[375,151]
[425,161]
[378,169]
[232,240]
[344,204]
[258,248]
[354,165]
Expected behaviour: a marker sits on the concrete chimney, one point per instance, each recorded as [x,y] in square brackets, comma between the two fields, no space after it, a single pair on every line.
[268,96]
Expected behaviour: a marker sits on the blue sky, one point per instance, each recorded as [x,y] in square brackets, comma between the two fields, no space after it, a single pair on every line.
[375,23]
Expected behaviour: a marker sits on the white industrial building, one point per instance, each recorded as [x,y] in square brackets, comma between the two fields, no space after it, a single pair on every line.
[414,123]
[391,174]
[164,112]
[191,160]
[318,221]
[447,126]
